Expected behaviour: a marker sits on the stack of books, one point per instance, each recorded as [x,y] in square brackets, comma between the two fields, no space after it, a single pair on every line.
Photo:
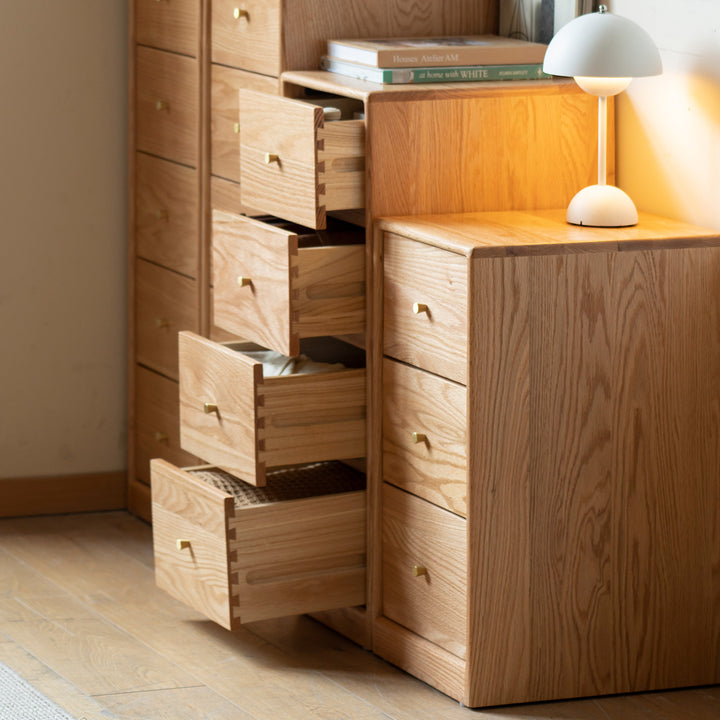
[467,58]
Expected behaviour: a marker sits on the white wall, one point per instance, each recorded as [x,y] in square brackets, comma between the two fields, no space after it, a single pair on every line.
[668,127]
[62,236]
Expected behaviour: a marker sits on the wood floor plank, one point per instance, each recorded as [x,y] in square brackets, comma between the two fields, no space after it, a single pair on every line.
[240,666]
[51,684]
[176,704]
[86,649]
[85,583]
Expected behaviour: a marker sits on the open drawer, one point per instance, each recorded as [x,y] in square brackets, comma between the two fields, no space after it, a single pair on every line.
[278,282]
[237,553]
[295,163]
[236,412]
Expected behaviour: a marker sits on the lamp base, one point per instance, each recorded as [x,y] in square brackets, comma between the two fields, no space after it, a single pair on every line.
[602,206]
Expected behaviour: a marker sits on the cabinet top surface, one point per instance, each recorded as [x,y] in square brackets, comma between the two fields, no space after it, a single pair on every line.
[543,232]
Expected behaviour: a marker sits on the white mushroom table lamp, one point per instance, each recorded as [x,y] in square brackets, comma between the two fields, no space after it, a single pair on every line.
[603,52]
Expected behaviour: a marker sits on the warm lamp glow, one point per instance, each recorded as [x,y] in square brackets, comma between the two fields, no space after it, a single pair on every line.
[603,52]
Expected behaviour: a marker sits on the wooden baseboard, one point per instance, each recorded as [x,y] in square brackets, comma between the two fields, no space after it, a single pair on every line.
[139,500]
[54,495]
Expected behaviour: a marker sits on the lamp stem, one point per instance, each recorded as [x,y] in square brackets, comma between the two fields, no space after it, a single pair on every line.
[602,139]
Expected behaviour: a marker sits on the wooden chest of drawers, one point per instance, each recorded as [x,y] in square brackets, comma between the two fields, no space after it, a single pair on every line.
[188,61]
[590,367]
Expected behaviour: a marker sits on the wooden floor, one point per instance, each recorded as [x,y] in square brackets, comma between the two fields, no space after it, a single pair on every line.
[80,619]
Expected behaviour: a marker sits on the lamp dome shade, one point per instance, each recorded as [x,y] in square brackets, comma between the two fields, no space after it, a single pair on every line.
[602,45]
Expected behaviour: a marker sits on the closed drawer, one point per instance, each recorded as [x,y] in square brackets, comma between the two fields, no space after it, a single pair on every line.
[236,414]
[157,422]
[238,554]
[277,282]
[424,442]
[424,569]
[169,25]
[246,35]
[224,117]
[296,165]
[425,307]
[165,303]
[166,214]
[167,115]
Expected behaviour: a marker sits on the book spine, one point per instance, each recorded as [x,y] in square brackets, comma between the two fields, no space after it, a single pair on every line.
[475,73]
[472,73]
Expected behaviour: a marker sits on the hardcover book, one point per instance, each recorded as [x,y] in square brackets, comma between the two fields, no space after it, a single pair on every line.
[438,51]
[460,73]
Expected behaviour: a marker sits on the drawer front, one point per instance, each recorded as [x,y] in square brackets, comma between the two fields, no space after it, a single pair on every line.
[295,165]
[239,554]
[247,35]
[424,437]
[171,25]
[166,214]
[236,418]
[268,288]
[167,105]
[190,521]
[424,569]
[157,422]
[425,307]
[165,303]
[225,116]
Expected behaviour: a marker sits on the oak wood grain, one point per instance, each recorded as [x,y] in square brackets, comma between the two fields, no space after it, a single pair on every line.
[157,428]
[166,303]
[167,214]
[433,337]
[225,116]
[265,422]
[434,467]
[171,129]
[419,534]
[171,26]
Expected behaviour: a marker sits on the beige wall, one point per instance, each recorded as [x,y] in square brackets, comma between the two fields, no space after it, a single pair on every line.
[63,236]
[668,127]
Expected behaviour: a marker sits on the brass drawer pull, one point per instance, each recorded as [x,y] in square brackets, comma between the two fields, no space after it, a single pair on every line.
[161,437]
[419,437]
[161,214]
[419,308]
[243,281]
[162,105]
[209,408]
[236,128]
[419,570]
[271,158]
[240,13]
[182,544]
[162,323]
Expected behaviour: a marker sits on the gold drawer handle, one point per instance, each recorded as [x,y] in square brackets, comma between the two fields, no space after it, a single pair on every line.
[240,13]
[419,308]
[162,105]
[236,128]
[419,570]
[182,544]
[243,281]
[161,437]
[271,158]
[419,437]
[161,214]
[210,408]
[162,323]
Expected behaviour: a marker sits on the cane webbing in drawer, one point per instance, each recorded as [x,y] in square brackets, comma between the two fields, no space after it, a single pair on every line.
[314,480]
